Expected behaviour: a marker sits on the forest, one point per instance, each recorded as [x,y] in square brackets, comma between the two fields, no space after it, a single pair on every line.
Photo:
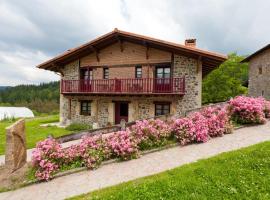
[229,80]
[42,98]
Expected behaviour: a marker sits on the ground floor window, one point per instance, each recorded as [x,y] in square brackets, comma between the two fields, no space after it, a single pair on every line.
[85,107]
[162,108]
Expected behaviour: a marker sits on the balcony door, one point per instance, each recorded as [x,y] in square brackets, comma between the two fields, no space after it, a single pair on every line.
[163,79]
[121,111]
[86,77]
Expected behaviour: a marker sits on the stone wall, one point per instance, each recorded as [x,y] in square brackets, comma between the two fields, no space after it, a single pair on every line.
[102,108]
[71,72]
[192,70]
[259,83]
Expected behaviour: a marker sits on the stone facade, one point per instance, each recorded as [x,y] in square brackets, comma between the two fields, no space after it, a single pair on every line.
[259,75]
[139,107]
[102,108]
[191,69]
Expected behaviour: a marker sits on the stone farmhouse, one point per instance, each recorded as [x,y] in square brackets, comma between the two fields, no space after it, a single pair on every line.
[259,72]
[126,76]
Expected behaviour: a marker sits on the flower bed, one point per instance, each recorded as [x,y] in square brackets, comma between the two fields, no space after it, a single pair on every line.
[49,157]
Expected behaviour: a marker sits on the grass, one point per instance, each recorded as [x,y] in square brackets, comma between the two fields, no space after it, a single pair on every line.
[241,174]
[78,127]
[34,132]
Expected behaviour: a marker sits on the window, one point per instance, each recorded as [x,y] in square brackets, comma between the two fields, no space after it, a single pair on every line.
[106,73]
[85,107]
[163,72]
[260,70]
[86,74]
[262,92]
[138,72]
[162,108]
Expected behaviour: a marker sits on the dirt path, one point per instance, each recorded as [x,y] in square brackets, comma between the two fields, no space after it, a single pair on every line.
[108,175]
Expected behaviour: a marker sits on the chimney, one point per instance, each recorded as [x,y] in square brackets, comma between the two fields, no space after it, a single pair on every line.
[190,43]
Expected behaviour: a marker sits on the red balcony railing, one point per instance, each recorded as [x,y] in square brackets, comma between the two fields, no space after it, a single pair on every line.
[125,86]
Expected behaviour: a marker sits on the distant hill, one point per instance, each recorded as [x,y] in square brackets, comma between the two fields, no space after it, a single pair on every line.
[41,98]
[4,87]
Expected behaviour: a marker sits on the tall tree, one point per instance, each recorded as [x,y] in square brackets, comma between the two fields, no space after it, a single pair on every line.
[227,81]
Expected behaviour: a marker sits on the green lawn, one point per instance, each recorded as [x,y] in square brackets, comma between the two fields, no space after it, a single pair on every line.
[34,132]
[242,174]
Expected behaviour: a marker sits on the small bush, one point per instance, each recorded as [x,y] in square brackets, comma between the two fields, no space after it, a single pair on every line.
[78,127]
[46,158]
[123,145]
[151,133]
[218,121]
[200,127]
[184,131]
[249,110]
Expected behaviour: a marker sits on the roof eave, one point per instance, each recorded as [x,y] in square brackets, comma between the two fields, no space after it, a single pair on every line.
[175,47]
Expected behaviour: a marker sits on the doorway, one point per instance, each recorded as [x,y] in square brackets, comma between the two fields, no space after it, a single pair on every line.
[121,111]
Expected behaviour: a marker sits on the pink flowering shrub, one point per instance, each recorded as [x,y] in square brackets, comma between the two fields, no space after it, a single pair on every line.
[151,133]
[248,110]
[200,127]
[218,121]
[123,145]
[92,151]
[184,131]
[46,158]
[49,157]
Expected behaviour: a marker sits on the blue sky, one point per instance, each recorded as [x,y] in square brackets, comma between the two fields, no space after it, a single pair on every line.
[32,31]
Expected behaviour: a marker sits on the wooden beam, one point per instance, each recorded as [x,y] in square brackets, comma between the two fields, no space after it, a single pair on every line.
[120,44]
[96,52]
[147,52]
[146,49]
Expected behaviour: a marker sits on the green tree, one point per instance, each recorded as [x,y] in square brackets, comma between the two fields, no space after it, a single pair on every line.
[227,81]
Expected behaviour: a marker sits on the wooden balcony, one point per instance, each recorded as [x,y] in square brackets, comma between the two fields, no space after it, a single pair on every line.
[125,86]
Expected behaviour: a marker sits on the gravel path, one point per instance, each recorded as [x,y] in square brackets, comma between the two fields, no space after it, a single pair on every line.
[108,175]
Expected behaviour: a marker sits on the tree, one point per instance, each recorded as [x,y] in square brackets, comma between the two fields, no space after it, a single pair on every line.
[227,81]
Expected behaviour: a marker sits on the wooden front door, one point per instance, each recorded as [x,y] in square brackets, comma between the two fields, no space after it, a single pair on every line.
[121,111]
[163,79]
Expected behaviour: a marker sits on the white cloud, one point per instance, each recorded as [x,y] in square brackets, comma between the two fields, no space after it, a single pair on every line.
[18,67]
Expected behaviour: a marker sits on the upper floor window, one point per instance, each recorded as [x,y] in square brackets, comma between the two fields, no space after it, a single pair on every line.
[86,74]
[106,73]
[138,71]
[260,70]
[163,72]
[85,107]
[162,108]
